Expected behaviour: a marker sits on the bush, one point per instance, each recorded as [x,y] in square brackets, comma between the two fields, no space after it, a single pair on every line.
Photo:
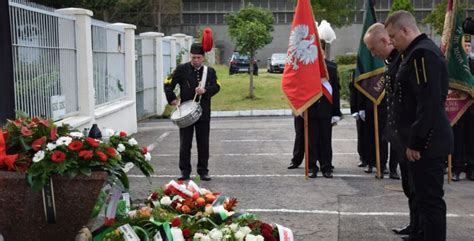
[346,59]
[344,80]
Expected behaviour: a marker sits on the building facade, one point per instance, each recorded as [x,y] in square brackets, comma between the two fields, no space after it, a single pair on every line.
[196,14]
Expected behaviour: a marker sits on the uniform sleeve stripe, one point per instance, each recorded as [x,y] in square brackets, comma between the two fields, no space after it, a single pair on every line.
[218,83]
[424,70]
[416,71]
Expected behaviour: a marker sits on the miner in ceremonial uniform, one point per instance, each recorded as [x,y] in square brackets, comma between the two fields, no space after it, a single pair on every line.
[322,115]
[378,42]
[189,77]
[423,127]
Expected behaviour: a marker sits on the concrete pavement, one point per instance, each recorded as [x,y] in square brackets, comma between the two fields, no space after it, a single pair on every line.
[248,161]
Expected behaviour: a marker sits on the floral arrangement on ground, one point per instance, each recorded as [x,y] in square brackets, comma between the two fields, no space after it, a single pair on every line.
[181,212]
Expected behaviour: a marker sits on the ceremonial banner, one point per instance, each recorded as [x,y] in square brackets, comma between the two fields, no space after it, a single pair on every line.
[305,68]
[460,76]
[456,104]
[369,70]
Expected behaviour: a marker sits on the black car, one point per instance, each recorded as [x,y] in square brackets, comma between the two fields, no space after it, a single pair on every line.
[240,64]
[276,63]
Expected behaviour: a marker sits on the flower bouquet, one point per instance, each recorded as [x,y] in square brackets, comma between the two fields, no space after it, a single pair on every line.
[68,167]
[41,149]
[188,212]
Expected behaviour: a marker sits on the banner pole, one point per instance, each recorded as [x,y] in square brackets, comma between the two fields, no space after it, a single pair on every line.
[377,144]
[450,166]
[306,145]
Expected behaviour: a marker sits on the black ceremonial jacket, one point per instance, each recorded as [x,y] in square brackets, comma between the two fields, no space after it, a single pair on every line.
[423,76]
[322,108]
[188,79]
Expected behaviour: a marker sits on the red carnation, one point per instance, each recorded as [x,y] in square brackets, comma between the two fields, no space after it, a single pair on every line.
[176,222]
[111,151]
[186,232]
[144,150]
[92,142]
[168,191]
[38,143]
[86,155]
[154,196]
[25,131]
[58,156]
[53,133]
[101,156]
[122,134]
[75,145]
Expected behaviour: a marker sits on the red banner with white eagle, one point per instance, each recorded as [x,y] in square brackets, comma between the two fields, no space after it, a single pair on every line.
[305,68]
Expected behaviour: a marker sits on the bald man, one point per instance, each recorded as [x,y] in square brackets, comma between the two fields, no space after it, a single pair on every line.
[378,42]
[423,127]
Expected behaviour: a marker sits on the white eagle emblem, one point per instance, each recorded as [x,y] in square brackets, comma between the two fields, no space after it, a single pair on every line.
[301,47]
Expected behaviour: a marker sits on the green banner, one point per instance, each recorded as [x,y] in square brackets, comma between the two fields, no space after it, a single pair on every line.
[369,69]
[458,65]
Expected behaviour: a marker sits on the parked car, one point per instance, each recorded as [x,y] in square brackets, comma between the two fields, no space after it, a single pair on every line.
[240,64]
[276,63]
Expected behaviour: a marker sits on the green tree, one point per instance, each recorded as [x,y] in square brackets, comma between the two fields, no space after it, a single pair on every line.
[338,13]
[436,18]
[402,5]
[250,29]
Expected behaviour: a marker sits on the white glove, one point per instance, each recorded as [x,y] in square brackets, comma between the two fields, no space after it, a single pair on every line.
[335,119]
[356,115]
[362,114]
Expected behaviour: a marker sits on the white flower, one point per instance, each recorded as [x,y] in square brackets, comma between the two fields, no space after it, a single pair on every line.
[128,166]
[107,132]
[239,235]
[215,234]
[147,156]
[206,238]
[76,134]
[260,238]
[198,235]
[38,156]
[165,201]
[63,140]
[50,146]
[234,227]
[208,209]
[250,237]
[246,230]
[132,142]
[120,148]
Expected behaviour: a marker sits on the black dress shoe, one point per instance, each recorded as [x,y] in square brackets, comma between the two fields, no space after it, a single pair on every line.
[362,164]
[405,230]
[293,166]
[470,176]
[394,175]
[183,178]
[327,174]
[205,177]
[456,177]
[313,175]
[411,238]
[368,169]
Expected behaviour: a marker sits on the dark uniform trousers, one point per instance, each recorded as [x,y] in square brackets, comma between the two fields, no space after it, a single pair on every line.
[319,143]
[188,78]
[422,125]
[186,140]
[464,140]
[355,97]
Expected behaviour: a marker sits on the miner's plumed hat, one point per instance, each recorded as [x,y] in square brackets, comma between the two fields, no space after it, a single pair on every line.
[205,45]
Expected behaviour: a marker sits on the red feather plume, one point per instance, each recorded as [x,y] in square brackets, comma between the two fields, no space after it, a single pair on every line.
[207,39]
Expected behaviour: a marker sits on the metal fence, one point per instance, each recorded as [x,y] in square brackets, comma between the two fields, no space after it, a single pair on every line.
[44,60]
[109,62]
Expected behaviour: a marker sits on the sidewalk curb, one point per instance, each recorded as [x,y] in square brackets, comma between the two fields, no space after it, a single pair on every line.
[252,113]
